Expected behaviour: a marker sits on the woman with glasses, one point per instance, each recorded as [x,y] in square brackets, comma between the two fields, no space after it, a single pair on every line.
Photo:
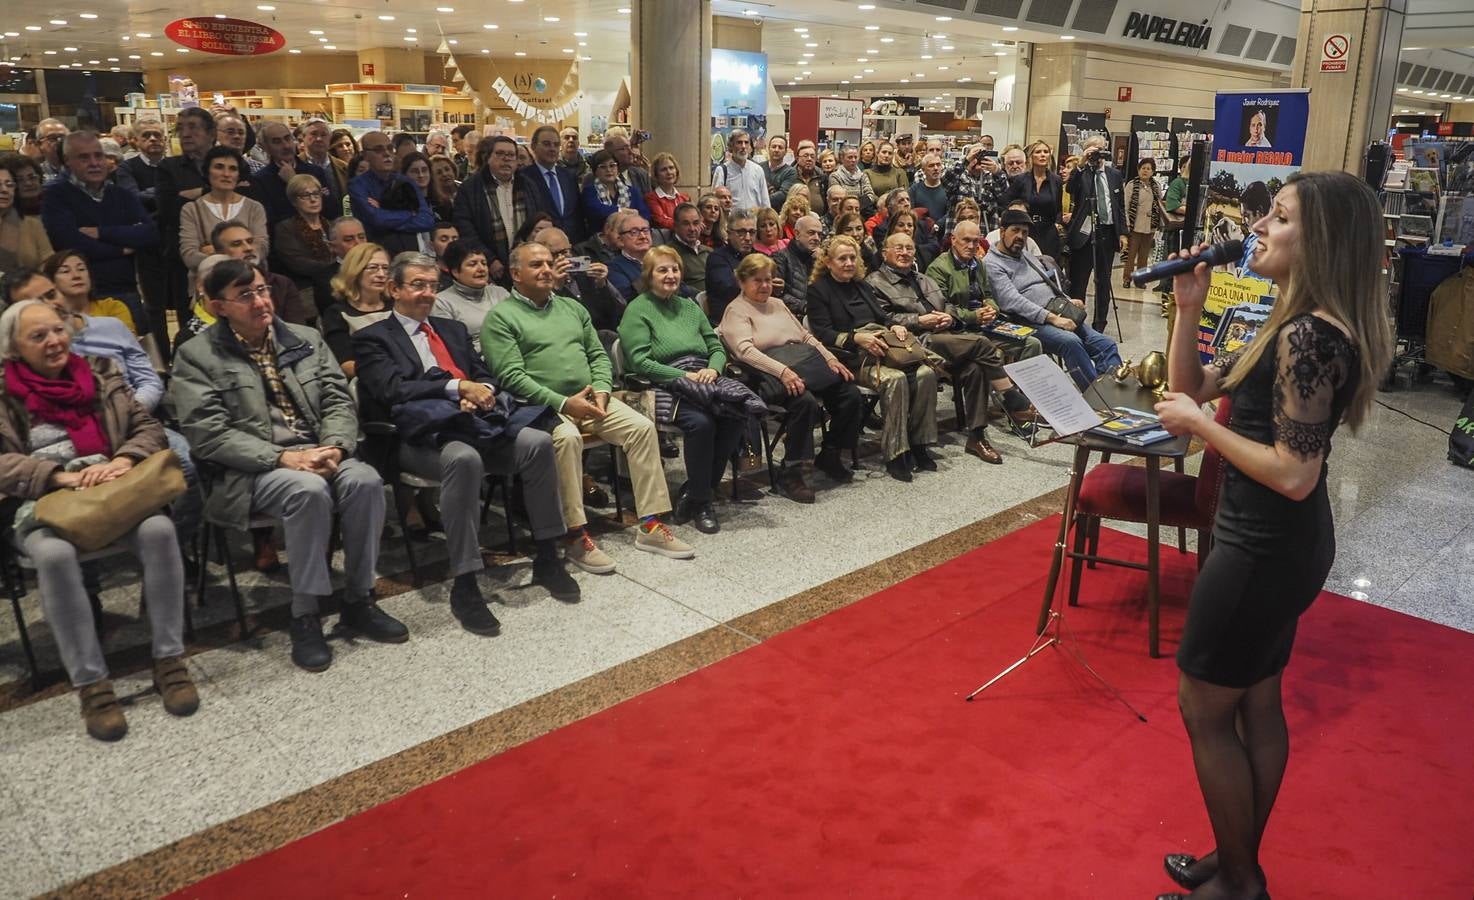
[23,240]
[361,290]
[68,271]
[607,193]
[224,168]
[28,182]
[301,241]
[443,185]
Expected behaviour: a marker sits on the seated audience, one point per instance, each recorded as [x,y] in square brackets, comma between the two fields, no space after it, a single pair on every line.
[23,240]
[964,283]
[713,221]
[543,348]
[769,239]
[200,316]
[663,197]
[264,405]
[69,272]
[471,294]
[796,261]
[846,315]
[1031,245]
[765,336]
[606,193]
[300,242]
[852,226]
[428,363]
[361,292]
[589,287]
[1024,284]
[343,233]
[916,302]
[220,203]
[237,242]
[667,339]
[631,234]
[904,221]
[72,426]
[270,182]
[441,236]
[721,266]
[686,241]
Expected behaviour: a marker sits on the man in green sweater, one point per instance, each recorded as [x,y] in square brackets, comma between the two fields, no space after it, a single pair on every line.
[543,348]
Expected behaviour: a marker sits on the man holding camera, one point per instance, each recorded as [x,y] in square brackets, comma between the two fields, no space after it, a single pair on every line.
[979,177]
[1097,230]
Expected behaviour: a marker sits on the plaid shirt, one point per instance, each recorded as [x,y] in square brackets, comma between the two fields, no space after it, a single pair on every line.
[986,189]
[276,390]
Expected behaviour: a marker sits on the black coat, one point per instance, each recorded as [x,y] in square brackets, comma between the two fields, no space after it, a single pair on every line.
[540,200]
[389,370]
[1046,205]
[836,310]
[1082,202]
[173,174]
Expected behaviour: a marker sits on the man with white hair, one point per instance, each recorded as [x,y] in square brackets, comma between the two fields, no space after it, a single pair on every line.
[49,134]
[796,261]
[745,179]
[1097,229]
[123,134]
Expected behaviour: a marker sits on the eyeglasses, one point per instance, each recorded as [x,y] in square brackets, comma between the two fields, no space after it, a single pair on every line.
[307,195]
[249,295]
[419,284]
[630,231]
[376,267]
[742,231]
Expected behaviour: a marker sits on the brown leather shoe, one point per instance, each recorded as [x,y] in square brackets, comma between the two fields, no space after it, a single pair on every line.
[1023,416]
[173,683]
[791,484]
[266,558]
[101,711]
[983,450]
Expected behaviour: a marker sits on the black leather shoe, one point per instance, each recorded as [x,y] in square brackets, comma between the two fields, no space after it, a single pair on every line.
[828,461]
[310,650]
[899,468]
[1179,869]
[367,619]
[476,617]
[553,576]
[923,460]
[681,512]
[705,518]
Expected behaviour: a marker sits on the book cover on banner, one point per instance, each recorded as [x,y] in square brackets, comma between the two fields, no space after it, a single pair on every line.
[1259,142]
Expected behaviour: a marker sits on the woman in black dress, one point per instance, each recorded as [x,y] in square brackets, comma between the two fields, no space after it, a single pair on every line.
[1314,364]
[1040,187]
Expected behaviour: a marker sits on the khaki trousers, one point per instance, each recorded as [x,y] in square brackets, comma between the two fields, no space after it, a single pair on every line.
[622,427]
[908,406]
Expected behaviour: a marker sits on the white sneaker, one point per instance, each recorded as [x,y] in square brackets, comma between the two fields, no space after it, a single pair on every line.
[663,541]
[586,554]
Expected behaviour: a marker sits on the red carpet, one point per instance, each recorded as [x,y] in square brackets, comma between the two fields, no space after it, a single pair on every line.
[838,760]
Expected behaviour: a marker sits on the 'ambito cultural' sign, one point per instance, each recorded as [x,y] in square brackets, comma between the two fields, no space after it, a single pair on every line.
[230,37]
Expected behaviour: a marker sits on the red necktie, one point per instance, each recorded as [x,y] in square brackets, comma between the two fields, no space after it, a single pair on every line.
[440,352]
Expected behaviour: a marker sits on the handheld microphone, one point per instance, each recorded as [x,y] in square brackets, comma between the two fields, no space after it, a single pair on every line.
[1216,255]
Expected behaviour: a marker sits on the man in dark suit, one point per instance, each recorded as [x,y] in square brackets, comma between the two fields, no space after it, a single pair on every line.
[1097,230]
[493,203]
[414,356]
[180,179]
[552,188]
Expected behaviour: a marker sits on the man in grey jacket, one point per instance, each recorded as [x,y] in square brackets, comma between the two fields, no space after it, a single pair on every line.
[916,301]
[267,413]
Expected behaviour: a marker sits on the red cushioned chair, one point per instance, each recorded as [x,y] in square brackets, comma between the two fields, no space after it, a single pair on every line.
[1117,491]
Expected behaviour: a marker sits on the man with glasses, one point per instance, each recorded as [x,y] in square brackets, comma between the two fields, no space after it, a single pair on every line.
[390,206]
[746,179]
[266,404]
[414,366]
[233,239]
[632,238]
[624,153]
[49,135]
[590,287]
[721,266]
[552,188]
[270,182]
[492,204]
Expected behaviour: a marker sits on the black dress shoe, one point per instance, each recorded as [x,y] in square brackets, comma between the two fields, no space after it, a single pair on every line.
[829,462]
[476,617]
[552,575]
[705,518]
[668,448]
[367,619]
[310,650]
[1179,869]
[922,460]
[680,513]
[899,468]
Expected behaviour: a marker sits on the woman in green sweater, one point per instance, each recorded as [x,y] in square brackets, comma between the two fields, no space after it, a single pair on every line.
[666,338]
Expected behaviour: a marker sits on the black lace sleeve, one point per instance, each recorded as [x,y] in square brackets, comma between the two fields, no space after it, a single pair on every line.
[1311,367]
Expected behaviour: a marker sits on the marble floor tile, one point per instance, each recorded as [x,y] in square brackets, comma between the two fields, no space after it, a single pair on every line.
[30,867]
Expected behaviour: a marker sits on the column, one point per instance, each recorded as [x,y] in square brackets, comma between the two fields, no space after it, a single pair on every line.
[1348,108]
[672,42]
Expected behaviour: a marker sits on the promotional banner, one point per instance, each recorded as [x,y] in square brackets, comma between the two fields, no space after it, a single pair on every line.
[226,36]
[1259,141]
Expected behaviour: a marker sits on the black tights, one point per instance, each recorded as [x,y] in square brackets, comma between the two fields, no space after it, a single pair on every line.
[1240,745]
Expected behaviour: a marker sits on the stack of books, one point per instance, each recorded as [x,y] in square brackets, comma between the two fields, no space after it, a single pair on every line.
[1132,426]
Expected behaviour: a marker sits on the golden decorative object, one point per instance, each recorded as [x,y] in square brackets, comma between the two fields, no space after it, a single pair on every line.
[1152,373]
[1122,373]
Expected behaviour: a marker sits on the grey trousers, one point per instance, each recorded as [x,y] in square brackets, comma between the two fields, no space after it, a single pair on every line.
[459,468]
[305,503]
[68,611]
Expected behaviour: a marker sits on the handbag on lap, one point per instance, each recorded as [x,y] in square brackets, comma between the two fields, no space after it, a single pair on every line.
[92,518]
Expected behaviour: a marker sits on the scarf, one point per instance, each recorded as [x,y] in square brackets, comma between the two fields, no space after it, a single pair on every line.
[619,199]
[1133,205]
[66,401]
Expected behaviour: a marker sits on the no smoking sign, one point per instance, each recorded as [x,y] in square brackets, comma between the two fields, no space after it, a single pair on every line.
[1333,52]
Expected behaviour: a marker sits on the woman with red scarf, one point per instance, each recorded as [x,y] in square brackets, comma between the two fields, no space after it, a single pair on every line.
[67,423]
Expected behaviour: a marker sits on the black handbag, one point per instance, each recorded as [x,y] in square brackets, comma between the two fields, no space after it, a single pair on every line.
[806,362]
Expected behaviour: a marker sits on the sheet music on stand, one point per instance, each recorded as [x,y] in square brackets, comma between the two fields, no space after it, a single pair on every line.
[1056,398]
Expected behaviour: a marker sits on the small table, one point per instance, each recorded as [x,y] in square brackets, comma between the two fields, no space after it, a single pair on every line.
[1134,396]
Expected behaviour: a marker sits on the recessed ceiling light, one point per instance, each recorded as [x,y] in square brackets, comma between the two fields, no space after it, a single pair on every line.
[580,34]
[87,15]
[811,44]
[583,43]
[992,71]
[887,40]
[808,71]
[112,59]
[942,68]
[845,81]
[749,12]
[517,52]
[863,59]
[114,69]
[412,30]
[38,28]
[329,46]
[905,81]
[1067,37]
[155,53]
[866,7]
[58,21]
[1417,92]
[142,34]
[1010,28]
[1000,53]
[315,31]
[585,58]
[53,53]
[944,18]
[266,7]
[134,56]
[623,10]
[181,49]
[322,40]
[948,47]
[64,66]
[488,51]
[294,50]
[94,62]
[568,50]
[381,18]
[445,9]
[926,56]
[869,71]
[918,74]
[410,37]
[807,55]
[551,19]
[801,30]
[872,27]
[490,26]
[70,49]
[221,16]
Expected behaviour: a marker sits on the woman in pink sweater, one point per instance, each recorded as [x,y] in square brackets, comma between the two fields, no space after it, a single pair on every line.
[793,370]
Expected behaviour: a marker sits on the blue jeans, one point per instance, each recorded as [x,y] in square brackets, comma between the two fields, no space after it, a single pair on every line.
[1086,352]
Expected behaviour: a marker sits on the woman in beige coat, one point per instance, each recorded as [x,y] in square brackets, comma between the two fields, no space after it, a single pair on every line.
[224,168]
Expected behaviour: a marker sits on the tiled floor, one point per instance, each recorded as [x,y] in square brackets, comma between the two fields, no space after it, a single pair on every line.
[267,731]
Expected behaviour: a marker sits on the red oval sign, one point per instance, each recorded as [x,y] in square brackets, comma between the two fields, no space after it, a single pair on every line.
[229,37]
